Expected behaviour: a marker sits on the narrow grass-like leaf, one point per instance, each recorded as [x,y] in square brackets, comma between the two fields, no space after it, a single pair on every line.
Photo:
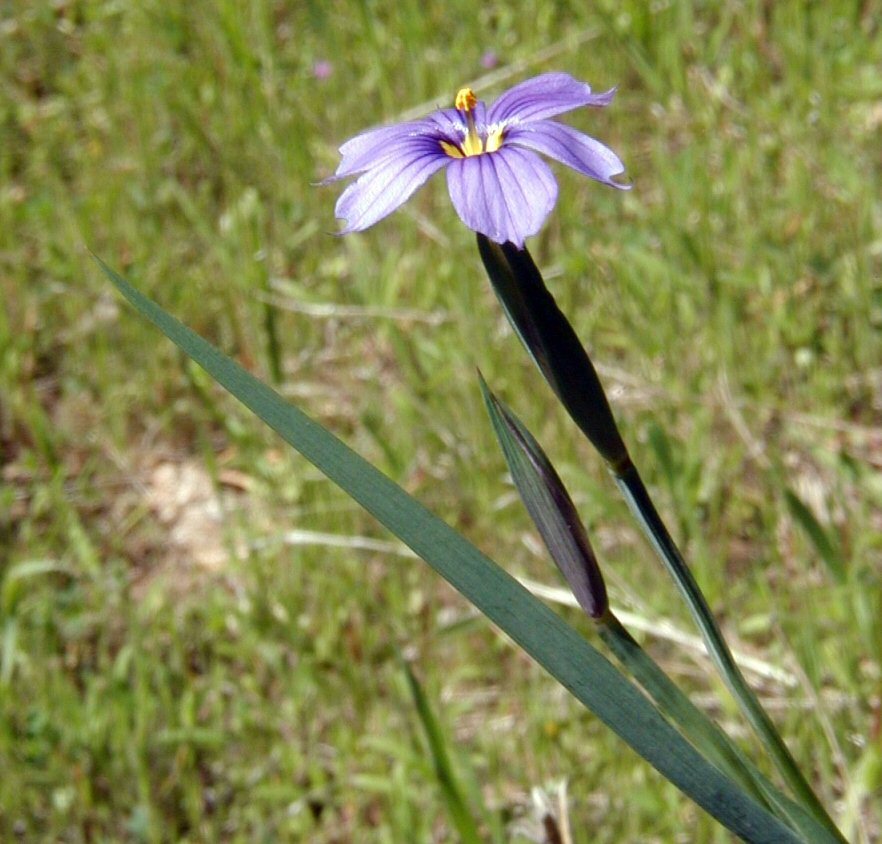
[12,587]
[8,649]
[703,732]
[817,535]
[661,446]
[643,509]
[14,580]
[457,805]
[555,645]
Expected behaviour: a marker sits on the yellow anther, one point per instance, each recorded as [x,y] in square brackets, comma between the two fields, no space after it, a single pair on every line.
[465,100]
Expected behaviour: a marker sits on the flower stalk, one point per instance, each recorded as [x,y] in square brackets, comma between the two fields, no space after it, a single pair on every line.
[566,366]
[556,518]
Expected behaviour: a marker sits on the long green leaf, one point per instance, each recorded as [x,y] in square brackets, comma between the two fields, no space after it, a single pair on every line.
[541,633]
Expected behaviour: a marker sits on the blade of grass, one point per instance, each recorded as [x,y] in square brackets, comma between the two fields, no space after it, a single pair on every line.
[457,806]
[591,678]
[817,535]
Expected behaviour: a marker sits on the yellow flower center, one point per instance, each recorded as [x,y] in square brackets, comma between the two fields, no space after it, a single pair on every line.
[472,144]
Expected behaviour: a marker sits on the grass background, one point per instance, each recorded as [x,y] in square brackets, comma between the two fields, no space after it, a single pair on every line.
[177,661]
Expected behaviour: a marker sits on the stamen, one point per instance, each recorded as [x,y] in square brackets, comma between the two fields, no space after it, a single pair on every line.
[472,144]
[465,103]
[465,100]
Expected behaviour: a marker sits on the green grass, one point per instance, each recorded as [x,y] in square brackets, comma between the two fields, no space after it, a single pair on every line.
[169,668]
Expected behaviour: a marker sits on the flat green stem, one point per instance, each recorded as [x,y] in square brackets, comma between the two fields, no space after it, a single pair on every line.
[562,359]
[706,735]
[641,505]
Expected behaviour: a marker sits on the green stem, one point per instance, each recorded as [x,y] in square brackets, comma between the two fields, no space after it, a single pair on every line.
[704,733]
[561,358]
[641,505]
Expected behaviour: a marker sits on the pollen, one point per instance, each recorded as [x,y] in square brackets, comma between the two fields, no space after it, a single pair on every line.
[465,100]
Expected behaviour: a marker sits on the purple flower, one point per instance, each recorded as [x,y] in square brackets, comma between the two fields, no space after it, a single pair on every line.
[499,186]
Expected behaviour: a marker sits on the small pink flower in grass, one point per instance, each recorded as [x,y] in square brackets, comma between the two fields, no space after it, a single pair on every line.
[322,69]
[499,186]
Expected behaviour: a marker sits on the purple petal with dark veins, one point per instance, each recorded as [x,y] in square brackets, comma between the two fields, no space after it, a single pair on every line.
[448,116]
[545,96]
[570,147]
[390,182]
[373,147]
[447,125]
[505,195]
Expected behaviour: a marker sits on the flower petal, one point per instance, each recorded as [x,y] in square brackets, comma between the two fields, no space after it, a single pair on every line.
[390,183]
[570,147]
[505,195]
[372,147]
[545,96]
